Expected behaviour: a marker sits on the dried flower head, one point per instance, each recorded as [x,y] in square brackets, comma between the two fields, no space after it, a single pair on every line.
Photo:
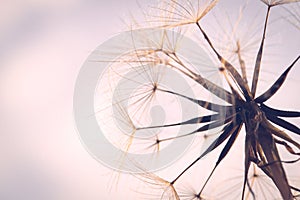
[267,132]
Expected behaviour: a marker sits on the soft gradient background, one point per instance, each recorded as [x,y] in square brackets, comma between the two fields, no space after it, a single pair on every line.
[42,47]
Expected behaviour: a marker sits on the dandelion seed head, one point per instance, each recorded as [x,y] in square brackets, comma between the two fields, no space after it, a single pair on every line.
[145,68]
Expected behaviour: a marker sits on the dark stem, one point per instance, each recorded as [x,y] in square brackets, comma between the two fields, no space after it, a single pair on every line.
[242,63]
[234,73]
[259,56]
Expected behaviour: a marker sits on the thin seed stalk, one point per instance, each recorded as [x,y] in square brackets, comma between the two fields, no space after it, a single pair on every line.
[237,77]
[259,56]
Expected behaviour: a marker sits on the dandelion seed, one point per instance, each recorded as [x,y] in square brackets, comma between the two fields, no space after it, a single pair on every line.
[156,183]
[176,13]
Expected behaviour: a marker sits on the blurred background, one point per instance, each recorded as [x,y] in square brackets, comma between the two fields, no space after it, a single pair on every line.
[43,45]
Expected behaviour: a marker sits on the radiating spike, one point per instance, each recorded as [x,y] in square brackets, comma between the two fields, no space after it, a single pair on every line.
[283,124]
[275,87]
[279,113]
